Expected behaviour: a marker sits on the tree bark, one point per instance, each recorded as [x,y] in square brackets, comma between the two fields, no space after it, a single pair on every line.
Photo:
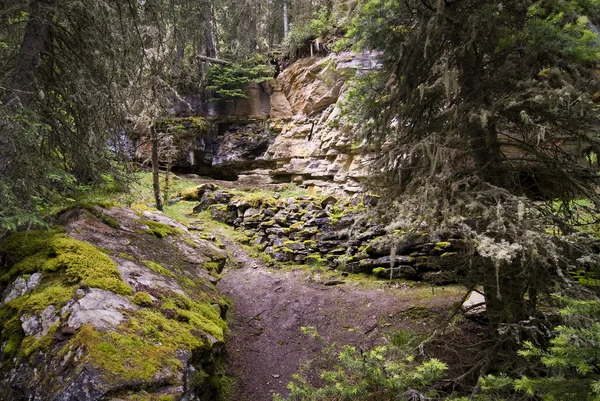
[286,22]
[210,33]
[155,170]
[505,290]
[487,154]
[22,91]
[179,54]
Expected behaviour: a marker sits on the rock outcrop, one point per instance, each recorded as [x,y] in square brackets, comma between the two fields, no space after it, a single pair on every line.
[135,316]
[339,234]
[299,139]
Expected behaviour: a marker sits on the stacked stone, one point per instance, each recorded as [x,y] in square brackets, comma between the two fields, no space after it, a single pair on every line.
[340,234]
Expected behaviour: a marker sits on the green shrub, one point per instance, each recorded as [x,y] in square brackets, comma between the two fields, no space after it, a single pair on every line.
[228,81]
[382,373]
[568,369]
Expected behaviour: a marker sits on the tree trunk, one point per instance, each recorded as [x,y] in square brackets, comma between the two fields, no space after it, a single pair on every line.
[487,154]
[22,90]
[286,22]
[179,54]
[210,33]
[504,289]
[155,170]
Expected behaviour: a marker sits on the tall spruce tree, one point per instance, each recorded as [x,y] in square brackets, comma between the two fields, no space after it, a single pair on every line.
[485,118]
[72,74]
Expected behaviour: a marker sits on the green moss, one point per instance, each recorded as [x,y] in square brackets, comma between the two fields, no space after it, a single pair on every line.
[224,386]
[211,266]
[128,356]
[201,315]
[190,242]
[297,226]
[83,263]
[80,262]
[189,194]
[126,256]
[13,334]
[28,265]
[159,230]
[21,245]
[182,125]
[149,341]
[115,285]
[258,199]
[93,208]
[314,259]
[56,295]
[31,344]
[157,268]
[379,271]
[142,299]
[440,246]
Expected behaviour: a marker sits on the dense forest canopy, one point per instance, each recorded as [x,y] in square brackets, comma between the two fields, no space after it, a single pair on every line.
[74,73]
[483,120]
[473,113]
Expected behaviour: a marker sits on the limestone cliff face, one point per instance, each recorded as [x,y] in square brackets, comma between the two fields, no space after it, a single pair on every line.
[288,130]
[314,147]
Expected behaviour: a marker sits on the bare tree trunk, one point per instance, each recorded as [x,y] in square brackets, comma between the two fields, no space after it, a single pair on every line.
[179,54]
[487,154]
[155,170]
[167,184]
[286,22]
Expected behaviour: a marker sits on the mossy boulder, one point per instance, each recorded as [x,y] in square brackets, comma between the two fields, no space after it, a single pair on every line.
[91,311]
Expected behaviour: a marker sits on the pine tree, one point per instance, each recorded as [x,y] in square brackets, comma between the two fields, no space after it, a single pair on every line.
[72,68]
[482,116]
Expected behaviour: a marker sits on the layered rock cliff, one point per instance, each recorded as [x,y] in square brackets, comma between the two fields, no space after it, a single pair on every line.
[288,130]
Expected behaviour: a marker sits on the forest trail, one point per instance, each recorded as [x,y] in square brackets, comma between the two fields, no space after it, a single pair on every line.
[266,344]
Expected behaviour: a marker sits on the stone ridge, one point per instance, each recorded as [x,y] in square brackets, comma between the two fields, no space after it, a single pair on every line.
[344,234]
[315,148]
[303,138]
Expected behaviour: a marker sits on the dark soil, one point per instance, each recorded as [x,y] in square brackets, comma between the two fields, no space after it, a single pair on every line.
[266,344]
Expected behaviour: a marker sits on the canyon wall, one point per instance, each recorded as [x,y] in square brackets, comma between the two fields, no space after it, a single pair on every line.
[287,130]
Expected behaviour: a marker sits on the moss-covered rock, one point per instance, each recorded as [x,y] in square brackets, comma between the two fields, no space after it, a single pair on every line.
[80,323]
[159,230]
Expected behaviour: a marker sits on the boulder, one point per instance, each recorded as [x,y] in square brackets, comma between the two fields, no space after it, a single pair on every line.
[21,286]
[474,305]
[100,308]
[94,325]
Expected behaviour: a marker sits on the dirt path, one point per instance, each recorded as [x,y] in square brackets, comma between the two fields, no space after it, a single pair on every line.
[266,344]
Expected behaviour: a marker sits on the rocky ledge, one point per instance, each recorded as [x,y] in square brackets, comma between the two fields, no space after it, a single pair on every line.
[345,234]
[297,135]
[134,316]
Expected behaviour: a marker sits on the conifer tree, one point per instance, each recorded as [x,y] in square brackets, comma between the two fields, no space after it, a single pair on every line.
[485,118]
[69,72]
